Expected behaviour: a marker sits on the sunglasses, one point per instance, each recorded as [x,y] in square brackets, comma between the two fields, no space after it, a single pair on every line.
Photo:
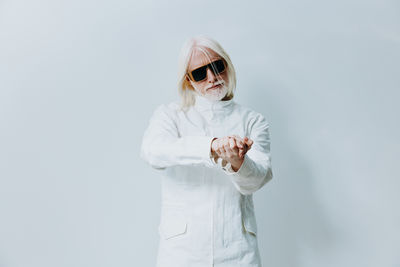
[199,74]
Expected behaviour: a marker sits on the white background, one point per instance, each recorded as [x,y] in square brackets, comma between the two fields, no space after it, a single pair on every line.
[79,81]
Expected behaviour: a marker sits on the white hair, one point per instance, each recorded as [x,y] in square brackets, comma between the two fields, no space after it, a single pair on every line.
[185,89]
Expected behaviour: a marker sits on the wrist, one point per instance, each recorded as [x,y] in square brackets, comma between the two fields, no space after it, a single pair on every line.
[237,164]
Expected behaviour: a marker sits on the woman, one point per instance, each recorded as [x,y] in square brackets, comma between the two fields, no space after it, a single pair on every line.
[213,153]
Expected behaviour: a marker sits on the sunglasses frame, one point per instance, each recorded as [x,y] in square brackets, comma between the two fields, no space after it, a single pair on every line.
[208,66]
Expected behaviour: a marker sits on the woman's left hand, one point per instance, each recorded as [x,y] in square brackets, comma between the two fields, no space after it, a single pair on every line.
[232,149]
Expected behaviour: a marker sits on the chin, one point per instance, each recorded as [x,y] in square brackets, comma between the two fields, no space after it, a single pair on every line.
[216,96]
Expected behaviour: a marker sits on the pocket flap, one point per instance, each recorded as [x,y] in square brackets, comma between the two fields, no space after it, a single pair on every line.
[249,219]
[250,225]
[170,228]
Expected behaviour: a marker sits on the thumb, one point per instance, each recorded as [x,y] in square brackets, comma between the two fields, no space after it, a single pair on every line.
[247,140]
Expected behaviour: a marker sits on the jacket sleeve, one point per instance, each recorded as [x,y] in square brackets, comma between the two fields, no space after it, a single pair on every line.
[256,169]
[162,146]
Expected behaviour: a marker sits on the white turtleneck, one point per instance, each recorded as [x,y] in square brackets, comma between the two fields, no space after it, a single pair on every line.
[213,110]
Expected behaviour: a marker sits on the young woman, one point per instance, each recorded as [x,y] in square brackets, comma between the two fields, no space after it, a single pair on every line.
[213,154]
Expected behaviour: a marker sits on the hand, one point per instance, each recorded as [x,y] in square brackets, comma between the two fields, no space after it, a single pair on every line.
[243,144]
[232,149]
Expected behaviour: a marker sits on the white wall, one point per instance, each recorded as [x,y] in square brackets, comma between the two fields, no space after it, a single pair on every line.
[80,79]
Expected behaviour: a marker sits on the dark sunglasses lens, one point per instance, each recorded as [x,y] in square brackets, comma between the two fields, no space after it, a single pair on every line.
[219,66]
[200,73]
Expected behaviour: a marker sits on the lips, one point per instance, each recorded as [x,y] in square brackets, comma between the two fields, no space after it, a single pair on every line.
[215,87]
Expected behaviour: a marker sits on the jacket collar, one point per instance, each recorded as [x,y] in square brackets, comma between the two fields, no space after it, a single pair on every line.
[204,104]
[213,111]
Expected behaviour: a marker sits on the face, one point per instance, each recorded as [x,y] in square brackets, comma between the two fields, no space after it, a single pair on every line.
[214,86]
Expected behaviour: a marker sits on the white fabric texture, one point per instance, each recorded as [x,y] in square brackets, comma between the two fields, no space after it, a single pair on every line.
[207,211]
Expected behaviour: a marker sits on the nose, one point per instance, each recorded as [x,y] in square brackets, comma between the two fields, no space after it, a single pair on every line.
[210,76]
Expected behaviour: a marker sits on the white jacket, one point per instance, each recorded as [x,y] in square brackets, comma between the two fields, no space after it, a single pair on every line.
[207,212]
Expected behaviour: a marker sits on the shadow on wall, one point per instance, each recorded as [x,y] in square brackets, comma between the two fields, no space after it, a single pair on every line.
[291,219]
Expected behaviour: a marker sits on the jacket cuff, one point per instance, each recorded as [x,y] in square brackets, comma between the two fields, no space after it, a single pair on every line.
[226,166]
[243,170]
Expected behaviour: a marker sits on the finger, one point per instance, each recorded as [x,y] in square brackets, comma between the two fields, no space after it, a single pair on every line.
[245,149]
[250,142]
[250,146]
[227,147]
[223,153]
[233,147]
[232,143]
[237,137]
[241,146]
[226,143]
[214,144]
[239,142]
[219,147]
[241,153]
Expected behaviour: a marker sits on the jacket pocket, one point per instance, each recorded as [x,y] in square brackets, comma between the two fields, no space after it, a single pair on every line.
[249,225]
[173,222]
